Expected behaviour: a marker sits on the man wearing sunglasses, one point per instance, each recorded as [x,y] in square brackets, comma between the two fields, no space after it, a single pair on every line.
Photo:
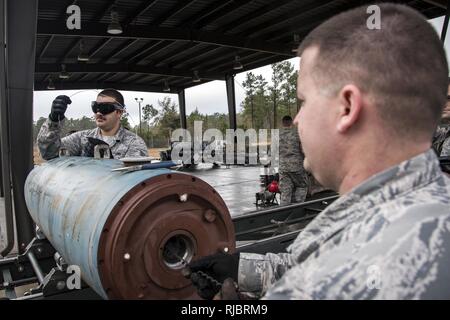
[107,109]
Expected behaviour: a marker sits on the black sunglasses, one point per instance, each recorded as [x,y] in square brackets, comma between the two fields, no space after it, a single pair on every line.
[105,107]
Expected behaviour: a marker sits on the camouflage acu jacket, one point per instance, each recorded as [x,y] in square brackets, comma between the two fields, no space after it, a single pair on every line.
[127,144]
[290,152]
[441,140]
[388,238]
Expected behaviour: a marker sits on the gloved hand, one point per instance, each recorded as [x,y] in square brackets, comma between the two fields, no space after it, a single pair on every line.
[90,147]
[206,287]
[219,267]
[209,290]
[59,107]
[228,291]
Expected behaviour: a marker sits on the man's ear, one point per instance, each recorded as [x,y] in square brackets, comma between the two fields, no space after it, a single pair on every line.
[350,106]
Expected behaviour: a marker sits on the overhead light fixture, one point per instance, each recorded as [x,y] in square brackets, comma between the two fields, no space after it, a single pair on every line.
[296,42]
[50,86]
[64,74]
[114,27]
[237,63]
[196,78]
[82,56]
[166,86]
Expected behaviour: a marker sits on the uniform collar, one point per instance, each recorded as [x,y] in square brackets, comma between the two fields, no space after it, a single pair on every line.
[403,178]
[118,137]
[408,175]
[388,184]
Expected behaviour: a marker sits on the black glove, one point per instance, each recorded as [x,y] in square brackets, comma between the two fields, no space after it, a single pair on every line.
[219,267]
[206,288]
[90,147]
[59,107]
[229,290]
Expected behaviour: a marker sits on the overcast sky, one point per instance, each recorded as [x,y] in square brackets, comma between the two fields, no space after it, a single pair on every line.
[208,98]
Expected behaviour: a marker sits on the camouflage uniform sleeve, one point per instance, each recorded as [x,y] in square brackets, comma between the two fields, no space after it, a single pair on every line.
[258,272]
[445,148]
[49,140]
[137,148]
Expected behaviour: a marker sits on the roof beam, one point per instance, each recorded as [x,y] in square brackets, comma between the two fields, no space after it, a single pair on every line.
[144,7]
[214,61]
[84,77]
[170,56]
[159,33]
[41,86]
[302,32]
[114,77]
[105,76]
[122,77]
[154,52]
[75,43]
[180,6]
[253,15]
[99,47]
[118,50]
[47,44]
[256,63]
[195,56]
[307,24]
[213,7]
[301,13]
[221,12]
[135,75]
[159,80]
[226,64]
[118,68]
[438,3]
[132,58]
[191,84]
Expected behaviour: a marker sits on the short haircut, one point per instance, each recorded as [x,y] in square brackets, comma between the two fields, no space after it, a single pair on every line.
[402,65]
[113,93]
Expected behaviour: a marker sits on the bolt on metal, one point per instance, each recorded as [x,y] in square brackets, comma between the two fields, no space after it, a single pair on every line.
[127,256]
[60,285]
[210,215]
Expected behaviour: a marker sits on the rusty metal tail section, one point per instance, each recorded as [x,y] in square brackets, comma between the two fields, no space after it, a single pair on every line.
[130,233]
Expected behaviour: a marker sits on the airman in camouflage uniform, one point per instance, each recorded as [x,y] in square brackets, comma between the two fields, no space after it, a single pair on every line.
[123,144]
[293,177]
[388,235]
[441,140]
[445,151]
[389,238]
[107,109]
